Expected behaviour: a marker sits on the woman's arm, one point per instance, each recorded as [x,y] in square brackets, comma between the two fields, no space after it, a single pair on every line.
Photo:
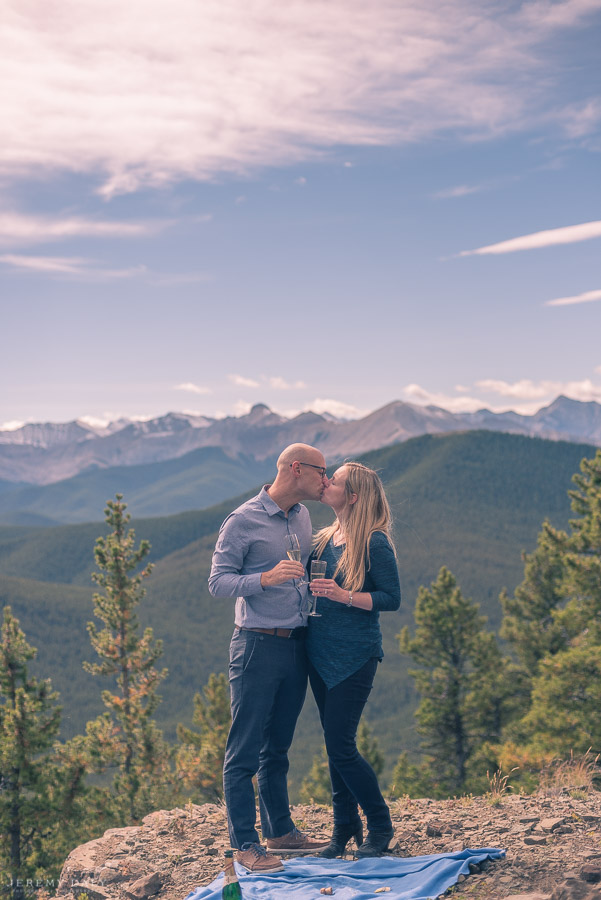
[327,587]
[383,574]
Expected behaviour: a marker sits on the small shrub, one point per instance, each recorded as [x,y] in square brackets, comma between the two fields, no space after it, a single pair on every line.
[577,774]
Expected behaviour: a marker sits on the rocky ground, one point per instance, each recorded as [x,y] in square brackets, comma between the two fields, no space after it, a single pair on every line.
[553,846]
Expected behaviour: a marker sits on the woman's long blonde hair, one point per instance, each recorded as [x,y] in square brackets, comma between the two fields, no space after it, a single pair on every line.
[370,512]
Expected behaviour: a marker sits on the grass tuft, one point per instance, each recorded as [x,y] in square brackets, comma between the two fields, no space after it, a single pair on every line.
[576,776]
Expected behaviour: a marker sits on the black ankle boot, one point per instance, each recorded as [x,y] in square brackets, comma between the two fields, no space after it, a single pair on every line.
[376,844]
[340,838]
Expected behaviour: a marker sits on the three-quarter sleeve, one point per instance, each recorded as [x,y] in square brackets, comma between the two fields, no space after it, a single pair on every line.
[382,579]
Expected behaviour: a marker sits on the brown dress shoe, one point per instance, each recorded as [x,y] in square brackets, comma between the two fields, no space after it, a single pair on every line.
[257,861]
[295,843]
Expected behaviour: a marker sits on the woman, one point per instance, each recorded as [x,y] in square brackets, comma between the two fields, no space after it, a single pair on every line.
[345,645]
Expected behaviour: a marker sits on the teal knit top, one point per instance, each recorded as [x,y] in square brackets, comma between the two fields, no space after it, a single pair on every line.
[344,638]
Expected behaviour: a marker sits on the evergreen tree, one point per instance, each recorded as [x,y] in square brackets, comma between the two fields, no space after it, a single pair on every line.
[581,556]
[316,786]
[562,588]
[565,714]
[29,723]
[369,748]
[529,622]
[497,693]
[126,737]
[199,761]
[83,810]
[461,683]
[413,780]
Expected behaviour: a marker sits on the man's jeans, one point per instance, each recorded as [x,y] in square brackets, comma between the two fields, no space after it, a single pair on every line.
[268,682]
[354,782]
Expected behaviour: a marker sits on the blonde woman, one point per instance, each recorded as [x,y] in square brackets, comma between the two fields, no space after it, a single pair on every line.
[344,646]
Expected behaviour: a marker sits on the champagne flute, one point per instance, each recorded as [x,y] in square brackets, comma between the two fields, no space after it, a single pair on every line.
[318,570]
[293,552]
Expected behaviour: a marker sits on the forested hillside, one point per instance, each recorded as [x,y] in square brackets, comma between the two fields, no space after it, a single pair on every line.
[194,481]
[471,501]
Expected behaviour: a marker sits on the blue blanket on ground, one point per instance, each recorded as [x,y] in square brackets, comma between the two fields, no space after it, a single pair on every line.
[409,878]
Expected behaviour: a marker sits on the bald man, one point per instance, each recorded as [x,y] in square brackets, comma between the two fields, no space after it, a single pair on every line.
[268,668]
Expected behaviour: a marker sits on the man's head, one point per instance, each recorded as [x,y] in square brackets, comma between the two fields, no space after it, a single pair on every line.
[302,469]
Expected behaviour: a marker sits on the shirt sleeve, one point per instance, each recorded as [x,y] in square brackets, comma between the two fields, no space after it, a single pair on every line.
[383,573]
[226,578]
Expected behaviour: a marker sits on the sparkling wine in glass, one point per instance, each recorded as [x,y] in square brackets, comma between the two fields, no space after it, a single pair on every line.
[293,552]
[318,570]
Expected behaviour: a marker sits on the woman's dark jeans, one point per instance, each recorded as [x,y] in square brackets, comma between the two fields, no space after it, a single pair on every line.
[354,782]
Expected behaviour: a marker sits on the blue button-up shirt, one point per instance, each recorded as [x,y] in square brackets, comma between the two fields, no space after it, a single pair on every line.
[251,541]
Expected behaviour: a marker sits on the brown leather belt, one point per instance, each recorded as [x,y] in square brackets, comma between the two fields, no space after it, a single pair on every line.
[294,633]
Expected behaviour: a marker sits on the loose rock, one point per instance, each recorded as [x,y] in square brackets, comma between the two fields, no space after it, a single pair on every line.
[186,847]
[144,887]
[93,892]
[591,873]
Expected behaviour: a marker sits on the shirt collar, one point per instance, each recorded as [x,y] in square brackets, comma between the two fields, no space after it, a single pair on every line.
[271,507]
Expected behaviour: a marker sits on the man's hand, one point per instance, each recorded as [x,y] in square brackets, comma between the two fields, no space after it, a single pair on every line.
[285,570]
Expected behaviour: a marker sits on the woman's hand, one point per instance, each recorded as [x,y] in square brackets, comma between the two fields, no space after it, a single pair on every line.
[327,587]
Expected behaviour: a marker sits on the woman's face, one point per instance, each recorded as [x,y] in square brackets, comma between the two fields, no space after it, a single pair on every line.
[335,492]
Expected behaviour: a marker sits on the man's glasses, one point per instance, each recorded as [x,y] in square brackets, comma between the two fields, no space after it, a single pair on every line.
[321,469]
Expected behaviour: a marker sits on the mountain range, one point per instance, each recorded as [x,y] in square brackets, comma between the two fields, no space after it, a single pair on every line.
[471,501]
[60,474]
[47,453]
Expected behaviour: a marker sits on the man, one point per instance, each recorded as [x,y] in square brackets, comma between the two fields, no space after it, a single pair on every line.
[268,668]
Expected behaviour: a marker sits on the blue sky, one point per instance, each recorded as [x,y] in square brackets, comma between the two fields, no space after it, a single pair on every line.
[308,204]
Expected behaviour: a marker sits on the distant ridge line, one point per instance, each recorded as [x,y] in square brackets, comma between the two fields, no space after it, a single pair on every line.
[47,453]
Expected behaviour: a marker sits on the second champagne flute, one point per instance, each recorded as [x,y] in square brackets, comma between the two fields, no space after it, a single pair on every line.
[318,570]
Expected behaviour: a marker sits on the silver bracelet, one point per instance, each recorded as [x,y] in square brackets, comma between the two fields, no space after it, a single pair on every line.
[350,598]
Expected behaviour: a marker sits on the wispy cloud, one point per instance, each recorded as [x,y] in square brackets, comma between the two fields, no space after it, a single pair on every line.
[276,382]
[462,190]
[280,384]
[73,266]
[241,381]
[174,279]
[82,268]
[587,297]
[61,264]
[415,393]
[493,183]
[241,408]
[524,396]
[19,228]
[189,90]
[581,119]
[525,389]
[192,388]
[567,235]
[337,408]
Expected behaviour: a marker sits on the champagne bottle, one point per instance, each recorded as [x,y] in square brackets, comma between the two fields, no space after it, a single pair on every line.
[231,887]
